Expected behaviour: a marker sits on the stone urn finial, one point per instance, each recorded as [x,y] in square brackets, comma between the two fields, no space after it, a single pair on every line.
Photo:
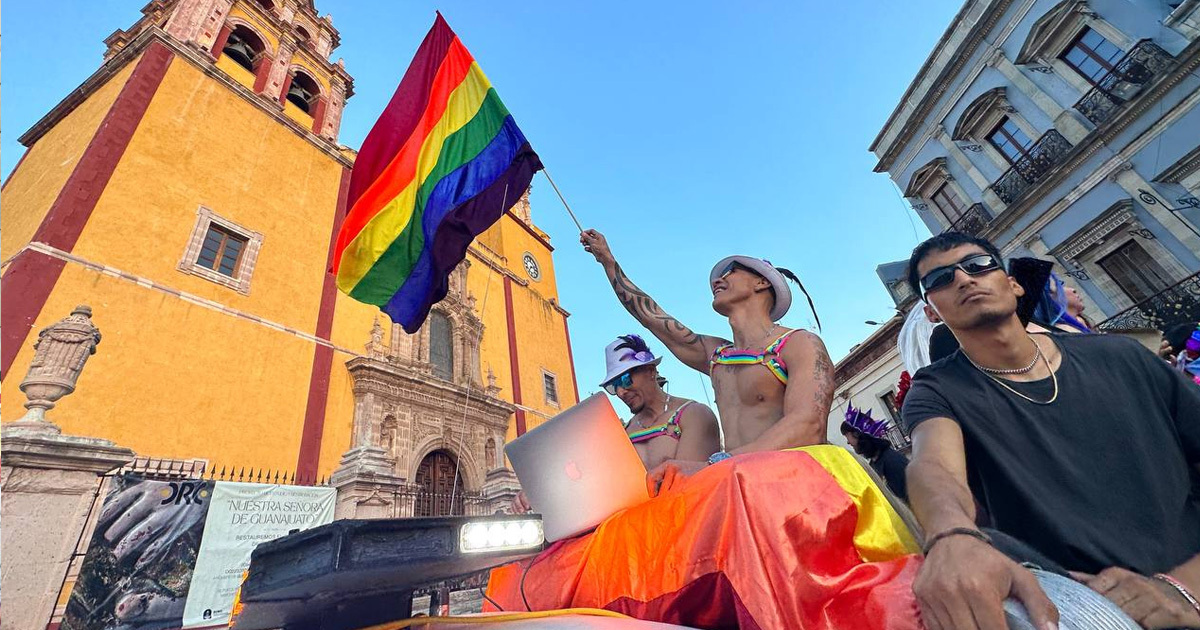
[60,353]
[492,388]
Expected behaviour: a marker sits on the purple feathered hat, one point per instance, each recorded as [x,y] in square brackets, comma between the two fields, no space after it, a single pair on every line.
[626,353]
[1193,342]
[863,422]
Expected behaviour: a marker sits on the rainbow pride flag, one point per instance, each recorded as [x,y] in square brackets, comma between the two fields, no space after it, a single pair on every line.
[443,163]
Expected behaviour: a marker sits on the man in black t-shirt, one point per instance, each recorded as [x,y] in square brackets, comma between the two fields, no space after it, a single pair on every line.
[1085,447]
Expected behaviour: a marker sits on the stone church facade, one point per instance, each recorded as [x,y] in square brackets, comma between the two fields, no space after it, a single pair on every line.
[428,435]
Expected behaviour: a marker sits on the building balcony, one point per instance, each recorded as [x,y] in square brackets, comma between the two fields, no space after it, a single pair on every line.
[1177,304]
[1141,65]
[1032,167]
[974,221]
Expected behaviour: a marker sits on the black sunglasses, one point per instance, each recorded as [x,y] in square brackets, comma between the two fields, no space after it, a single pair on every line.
[735,266]
[971,265]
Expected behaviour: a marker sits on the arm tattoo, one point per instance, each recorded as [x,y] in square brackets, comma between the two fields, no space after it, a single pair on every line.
[823,375]
[647,311]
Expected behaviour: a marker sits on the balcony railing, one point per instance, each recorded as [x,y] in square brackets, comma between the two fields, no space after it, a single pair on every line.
[1033,166]
[1145,61]
[973,221]
[1177,304]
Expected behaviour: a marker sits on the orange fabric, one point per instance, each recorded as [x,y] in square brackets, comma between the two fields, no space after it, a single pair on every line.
[759,541]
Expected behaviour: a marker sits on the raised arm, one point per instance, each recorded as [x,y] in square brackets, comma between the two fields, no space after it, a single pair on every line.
[691,349]
[806,400]
[964,581]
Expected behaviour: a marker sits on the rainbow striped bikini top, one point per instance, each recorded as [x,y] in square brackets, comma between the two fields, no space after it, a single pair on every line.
[670,427]
[769,357]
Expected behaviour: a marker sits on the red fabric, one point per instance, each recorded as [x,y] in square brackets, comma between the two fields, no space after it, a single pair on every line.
[759,541]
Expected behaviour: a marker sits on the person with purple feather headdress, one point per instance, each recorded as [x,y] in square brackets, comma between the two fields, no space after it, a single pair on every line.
[663,427]
[868,437]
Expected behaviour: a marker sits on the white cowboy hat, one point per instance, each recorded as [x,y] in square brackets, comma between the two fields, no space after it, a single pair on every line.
[783,293]
[626,353]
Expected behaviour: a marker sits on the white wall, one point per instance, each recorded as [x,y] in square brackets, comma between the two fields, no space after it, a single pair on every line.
[864,391]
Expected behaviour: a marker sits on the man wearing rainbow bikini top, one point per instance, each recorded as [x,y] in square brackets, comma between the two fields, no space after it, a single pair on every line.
[663,427]
[774,386]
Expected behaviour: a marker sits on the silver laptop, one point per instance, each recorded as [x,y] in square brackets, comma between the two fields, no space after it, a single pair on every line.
[578,468]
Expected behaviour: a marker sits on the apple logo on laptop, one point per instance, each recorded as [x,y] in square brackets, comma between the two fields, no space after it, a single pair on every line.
[572,470]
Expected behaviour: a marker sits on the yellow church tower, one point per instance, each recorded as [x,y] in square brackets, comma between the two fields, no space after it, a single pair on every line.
[189,192]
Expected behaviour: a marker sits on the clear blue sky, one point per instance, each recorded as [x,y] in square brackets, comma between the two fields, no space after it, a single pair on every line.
[685,131]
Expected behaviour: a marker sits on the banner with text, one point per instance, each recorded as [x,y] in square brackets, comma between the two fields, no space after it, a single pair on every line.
[240,516]
[170,554]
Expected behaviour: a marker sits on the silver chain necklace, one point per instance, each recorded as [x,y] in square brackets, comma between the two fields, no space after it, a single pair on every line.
[1001,383]
[1037,354]
[657,416]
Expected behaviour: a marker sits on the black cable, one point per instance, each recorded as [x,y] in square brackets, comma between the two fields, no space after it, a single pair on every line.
[490,600]
[522,589]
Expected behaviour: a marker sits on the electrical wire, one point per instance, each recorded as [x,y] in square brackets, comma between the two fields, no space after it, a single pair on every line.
[483,592]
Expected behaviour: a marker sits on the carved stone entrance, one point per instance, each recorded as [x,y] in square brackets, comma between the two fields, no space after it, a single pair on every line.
[439,486]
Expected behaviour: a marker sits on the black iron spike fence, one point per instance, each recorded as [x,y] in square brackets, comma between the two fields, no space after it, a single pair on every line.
[407,501]
[1177,304]
[162,469]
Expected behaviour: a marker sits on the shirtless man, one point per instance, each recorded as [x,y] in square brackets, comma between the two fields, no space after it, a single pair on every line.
[761,408]
[663,427]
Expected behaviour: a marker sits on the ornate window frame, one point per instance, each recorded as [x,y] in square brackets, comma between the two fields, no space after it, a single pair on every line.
[926,180]
[1185,172]
[1081,253]
[981,118]
[240,281]
[983,114]
[1057,29]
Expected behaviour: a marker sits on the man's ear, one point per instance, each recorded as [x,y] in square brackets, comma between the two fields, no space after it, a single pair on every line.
[932,314]
[1018,290]
[762,284]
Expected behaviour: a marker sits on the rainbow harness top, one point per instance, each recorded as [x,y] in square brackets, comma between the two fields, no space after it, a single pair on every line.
[769,357]
[670,428]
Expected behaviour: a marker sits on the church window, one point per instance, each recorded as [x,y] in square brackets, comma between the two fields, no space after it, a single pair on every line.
[550,387]
[244,47]
[441,347]
[221,251]
[303,92]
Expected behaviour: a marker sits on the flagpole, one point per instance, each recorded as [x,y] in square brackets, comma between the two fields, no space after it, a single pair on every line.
[546,172]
